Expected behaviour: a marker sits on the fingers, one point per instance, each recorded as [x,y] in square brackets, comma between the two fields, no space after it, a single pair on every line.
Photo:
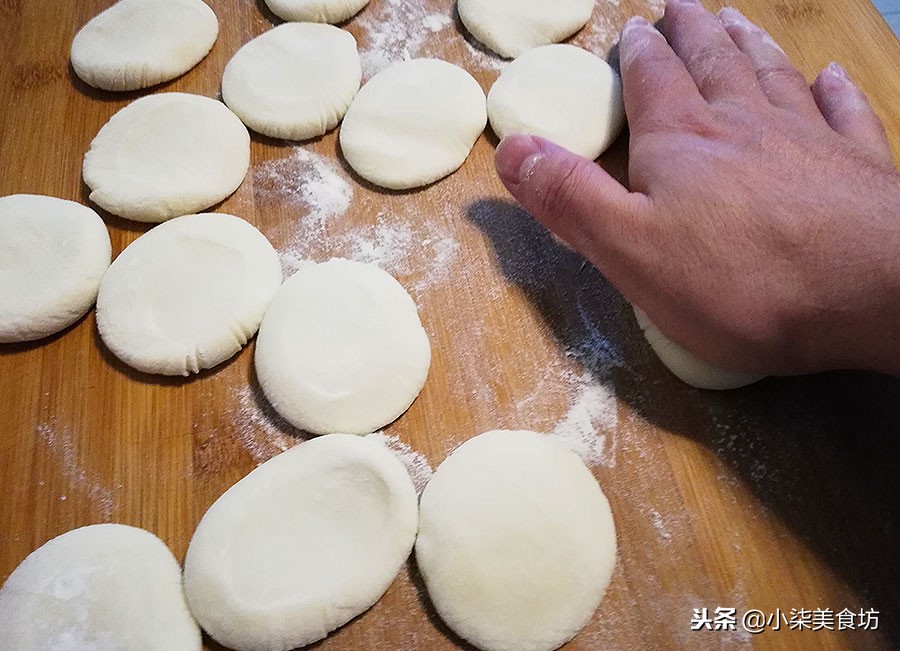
[847,110]
[780,81]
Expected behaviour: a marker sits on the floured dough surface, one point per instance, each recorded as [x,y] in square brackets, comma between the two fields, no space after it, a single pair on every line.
[294,81]
[413,123]
[188,294]
[560,92]
[688,367]
[106,587]
[341,349]
[167,155]
[516,542]
[301,545]
[139,43]
[511,27]
[316,11]
[53,254]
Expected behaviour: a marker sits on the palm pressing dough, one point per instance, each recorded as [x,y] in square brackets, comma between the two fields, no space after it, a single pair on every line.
[686,366]
[516,542]
[102,587]
[139,43]
[413,123]
[188,294]
[166,155]
[511,27]
[53,254]
[560,92]
[301,545]
[341,349]
[316,11]
[295,81]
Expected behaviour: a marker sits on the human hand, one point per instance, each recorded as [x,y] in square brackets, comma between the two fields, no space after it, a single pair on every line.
[762,229]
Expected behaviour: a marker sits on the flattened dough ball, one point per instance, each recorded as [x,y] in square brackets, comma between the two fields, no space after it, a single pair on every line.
[511,27]
[295,81]
[516,542]
[301,545]
[139,43]
[106,586]
[167,155]
[341,349]
[688,367]
[188,294]
[53,254]
[316,11]
[413,123]
[560,92]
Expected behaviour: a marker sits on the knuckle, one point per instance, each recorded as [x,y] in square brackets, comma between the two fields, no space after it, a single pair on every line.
[562,187]
[779,74]
[716,67]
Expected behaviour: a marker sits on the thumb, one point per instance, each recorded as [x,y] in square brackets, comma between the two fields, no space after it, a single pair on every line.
[572,196]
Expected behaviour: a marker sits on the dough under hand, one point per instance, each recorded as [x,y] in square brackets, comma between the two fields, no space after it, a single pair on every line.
[413,123]
[188,294]
[560,92]
[53,254]
[167,155]
[516,542]
[106,587]
[316,11]
[295,81]
[139,43]
[687,367]
[301,545]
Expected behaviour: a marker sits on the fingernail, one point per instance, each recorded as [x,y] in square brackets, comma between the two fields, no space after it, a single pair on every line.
[836,70]
[516,157]
[731,17]
[683,2]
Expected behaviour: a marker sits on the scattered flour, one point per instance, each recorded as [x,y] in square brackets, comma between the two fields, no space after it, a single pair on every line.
[260,430]
[416,464]
[590,426]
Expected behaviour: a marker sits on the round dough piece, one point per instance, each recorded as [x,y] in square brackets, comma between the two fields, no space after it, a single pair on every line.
[516,542]
[560,92]
[316,11]
[106,586]
[295,81]
[341,349]
[167,155]
[140,43]
[301,545]
[687,367]
[53,254]
[511,27]
[413,123]
[188,294]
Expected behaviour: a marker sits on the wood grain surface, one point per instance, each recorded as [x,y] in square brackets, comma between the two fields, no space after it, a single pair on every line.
[784,495]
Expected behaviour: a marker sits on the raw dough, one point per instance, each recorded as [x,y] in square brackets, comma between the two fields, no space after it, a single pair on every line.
[301,545]
[187,294]
[341,349]
[316,11]
[139,43]
[413,123]
[511,27]
[106,587]
[687,367]
[295,81]
[516,542]
[53,253]
[560,92]
[167,155]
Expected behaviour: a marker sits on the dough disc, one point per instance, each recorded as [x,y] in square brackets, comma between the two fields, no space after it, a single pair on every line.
[53,254]
[187,294]
[301,545]
[139,43]
[166,155]
[316,11]
[295,81]
[516,542]
[687,367]
[413,123]
[562,93]
[341,349]
[511,27]
[106,586]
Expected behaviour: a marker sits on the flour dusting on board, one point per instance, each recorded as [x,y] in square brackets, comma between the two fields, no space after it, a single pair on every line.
[416,464]
[260,430]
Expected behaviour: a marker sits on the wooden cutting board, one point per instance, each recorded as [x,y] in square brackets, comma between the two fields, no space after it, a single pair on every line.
[779,497]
